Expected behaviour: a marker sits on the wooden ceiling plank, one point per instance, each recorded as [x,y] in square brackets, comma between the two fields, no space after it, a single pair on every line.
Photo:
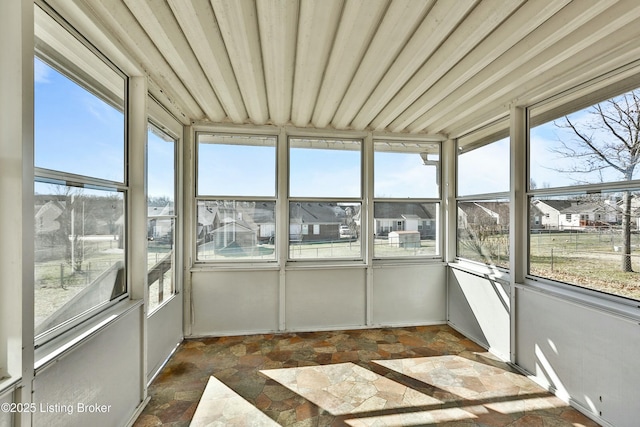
[160,24]
[399,23]
[198,23]
[278,24]
[359,22]
[441,20]
[238,24]
[317,25]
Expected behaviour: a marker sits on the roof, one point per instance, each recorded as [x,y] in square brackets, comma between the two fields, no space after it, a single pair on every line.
[558,205]
[433,67]
[382,210]
[316,213]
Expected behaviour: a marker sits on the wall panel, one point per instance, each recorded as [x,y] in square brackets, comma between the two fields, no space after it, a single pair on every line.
[409,295]
[164,332]
[104,370]
[479,307]
[584,353]
[325,298]
[5,416]
[234,302]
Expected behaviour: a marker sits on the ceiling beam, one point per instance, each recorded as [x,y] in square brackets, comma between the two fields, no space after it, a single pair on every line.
[199,25]
[523,21]
[359,22]
[317,26]
[399,23]
[555,61]
[238,23]
[480,22]
[441,20]
[278,24]
[161,26]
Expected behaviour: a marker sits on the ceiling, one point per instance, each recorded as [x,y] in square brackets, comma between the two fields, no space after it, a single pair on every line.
[410,66]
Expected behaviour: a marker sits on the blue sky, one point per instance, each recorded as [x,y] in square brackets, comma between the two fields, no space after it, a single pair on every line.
[75,131]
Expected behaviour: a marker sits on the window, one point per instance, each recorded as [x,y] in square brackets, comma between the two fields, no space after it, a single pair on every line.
[236,193]
[325,189]
[406,189]
[483,199]
[483,231]
[80,187]
[585,165]
[161,216]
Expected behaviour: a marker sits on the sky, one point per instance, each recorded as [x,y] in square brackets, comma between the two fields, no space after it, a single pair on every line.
[70,120]
[79,133]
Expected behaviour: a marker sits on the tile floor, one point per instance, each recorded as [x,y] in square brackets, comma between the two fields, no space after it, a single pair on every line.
[414,376]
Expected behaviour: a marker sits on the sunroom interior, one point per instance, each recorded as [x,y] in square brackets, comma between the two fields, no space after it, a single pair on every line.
[175,170]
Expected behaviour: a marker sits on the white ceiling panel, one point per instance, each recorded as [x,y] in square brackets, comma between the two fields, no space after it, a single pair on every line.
[438,67]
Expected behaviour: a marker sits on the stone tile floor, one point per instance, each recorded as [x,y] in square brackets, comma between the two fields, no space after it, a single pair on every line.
[413,376]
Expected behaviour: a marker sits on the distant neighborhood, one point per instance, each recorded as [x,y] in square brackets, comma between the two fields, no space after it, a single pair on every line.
[230,225]
[551,214]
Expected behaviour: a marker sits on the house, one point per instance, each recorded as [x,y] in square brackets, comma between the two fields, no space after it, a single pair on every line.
[582,215]
[394,217]
[486,214]
[548,214]
[317,222]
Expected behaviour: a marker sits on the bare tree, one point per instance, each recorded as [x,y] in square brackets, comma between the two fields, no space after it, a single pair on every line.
[609,140]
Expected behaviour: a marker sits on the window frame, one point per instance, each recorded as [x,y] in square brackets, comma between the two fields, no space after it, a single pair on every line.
[58,177]
[541,113]
[212,197]
[152,122]
[492,133]
[437,201]
[301,199]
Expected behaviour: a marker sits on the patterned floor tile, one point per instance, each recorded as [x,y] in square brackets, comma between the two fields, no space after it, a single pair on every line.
[427,375]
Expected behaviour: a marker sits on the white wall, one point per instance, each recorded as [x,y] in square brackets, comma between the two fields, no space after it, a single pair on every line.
[234,302]
[164,332]
[5,416]
[105,369]
[325,299]
[316,298]
[409,295]
[479,307]
[582,352]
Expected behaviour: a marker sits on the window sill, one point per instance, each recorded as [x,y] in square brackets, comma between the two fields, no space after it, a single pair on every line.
[482,270]
[8,384]
[50,352]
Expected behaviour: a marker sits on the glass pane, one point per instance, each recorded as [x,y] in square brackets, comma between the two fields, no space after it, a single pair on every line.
[76,131]
[484,169]
[160,172]
[322,230]
[596,145]
[160,257]
[236,165]
[403,170]
[405,229]
[324,168]
[79,251]
[483,231]
[588,240]
[236,230]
